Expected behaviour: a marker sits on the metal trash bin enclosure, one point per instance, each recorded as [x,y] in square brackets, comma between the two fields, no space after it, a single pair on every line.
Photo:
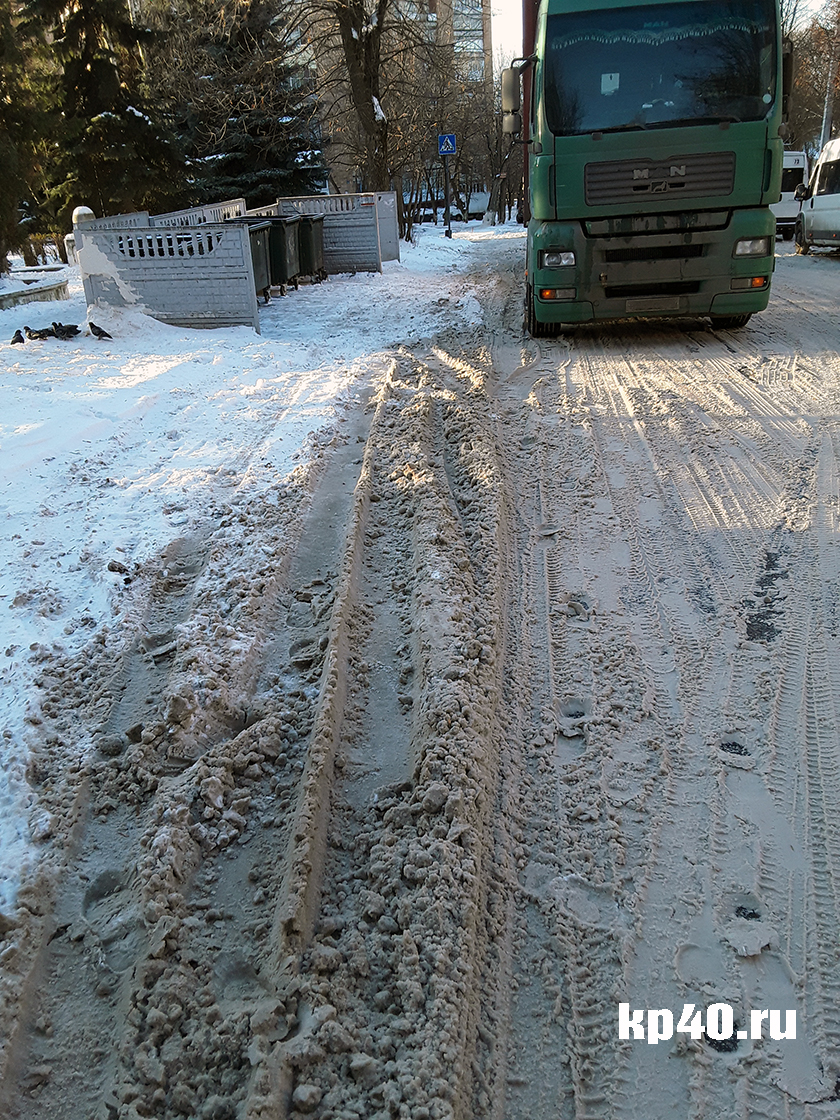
[312,246]
[360,230]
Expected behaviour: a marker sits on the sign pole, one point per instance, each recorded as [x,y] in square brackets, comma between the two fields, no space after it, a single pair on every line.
[447,213]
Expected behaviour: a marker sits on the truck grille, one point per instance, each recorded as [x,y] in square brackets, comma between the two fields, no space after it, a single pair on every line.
[654,253]
[676,178]
[668,288]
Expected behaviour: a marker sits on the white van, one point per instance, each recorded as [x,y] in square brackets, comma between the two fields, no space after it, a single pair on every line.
[794,172]
[819,218]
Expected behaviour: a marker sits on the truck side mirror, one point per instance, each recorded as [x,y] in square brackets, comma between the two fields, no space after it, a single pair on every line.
[511,124]
[800,192]
[511,99]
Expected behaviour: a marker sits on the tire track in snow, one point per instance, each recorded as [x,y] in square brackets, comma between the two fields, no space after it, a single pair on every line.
[549,1043]
[800,893]
[671,635]
[160,933]
[687,777]
[400,977]
[577,858]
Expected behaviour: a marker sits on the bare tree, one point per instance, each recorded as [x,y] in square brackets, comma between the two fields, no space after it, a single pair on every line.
[793,14]
[390,78]
[815,87]
[366,55]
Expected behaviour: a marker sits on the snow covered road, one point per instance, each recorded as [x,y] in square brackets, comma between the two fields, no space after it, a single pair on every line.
[387,698]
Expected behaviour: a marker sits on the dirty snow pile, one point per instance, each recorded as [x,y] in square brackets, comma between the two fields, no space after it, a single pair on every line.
[111,448]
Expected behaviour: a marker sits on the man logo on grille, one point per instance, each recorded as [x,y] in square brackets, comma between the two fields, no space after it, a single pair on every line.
[661,184]
[677,171]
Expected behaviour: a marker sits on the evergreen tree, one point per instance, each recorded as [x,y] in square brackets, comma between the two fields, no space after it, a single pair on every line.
[108,152]
[238,93]
[18,139]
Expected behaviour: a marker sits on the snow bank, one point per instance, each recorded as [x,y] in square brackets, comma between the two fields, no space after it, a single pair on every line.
[110,449]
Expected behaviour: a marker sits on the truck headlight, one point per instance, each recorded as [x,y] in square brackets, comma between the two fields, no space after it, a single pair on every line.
[752,247]
[557,258]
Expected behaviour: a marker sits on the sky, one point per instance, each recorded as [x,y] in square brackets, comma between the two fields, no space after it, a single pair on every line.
[507,27]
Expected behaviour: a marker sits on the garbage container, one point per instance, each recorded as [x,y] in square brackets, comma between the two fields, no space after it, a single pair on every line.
[285,251]
[312,246]
[283,255]
[259,237]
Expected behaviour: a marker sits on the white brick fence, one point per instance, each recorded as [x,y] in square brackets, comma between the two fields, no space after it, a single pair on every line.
[198,215]
[189,276]
[193,268]
[360,230]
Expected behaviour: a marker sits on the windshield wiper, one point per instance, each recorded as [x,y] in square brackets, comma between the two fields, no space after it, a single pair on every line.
[635,127]
[679,122]
[676,122]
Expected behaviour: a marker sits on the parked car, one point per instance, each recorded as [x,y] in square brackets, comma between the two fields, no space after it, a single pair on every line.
[818,222]
[794,172]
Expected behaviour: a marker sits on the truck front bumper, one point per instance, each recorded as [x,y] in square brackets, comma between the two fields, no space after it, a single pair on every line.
[689,269]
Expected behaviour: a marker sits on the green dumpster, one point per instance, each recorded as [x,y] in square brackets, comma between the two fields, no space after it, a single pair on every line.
[285,253]
[312,246]
[259,237]
[281,238]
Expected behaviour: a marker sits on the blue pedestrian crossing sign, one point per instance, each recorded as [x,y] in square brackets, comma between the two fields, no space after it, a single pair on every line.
[446,144]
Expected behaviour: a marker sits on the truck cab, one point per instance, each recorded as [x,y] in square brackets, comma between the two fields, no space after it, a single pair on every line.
[655,141]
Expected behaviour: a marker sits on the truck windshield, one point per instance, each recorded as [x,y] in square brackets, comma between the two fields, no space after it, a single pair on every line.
[660,65]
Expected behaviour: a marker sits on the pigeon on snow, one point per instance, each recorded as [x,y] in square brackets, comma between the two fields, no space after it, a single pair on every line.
[38,335]
[17,338]
[65,331]
[98,331]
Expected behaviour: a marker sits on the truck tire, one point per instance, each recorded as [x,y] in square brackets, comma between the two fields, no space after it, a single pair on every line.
[533,326]
[531,323]
[729,322]
[787,233]
[803,245]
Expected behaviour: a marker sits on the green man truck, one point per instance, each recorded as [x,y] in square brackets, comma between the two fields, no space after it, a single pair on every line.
[655,137]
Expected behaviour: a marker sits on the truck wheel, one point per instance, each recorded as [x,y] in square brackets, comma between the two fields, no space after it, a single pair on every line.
[787,233]
[729,322]
[803,245]
[533,326]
